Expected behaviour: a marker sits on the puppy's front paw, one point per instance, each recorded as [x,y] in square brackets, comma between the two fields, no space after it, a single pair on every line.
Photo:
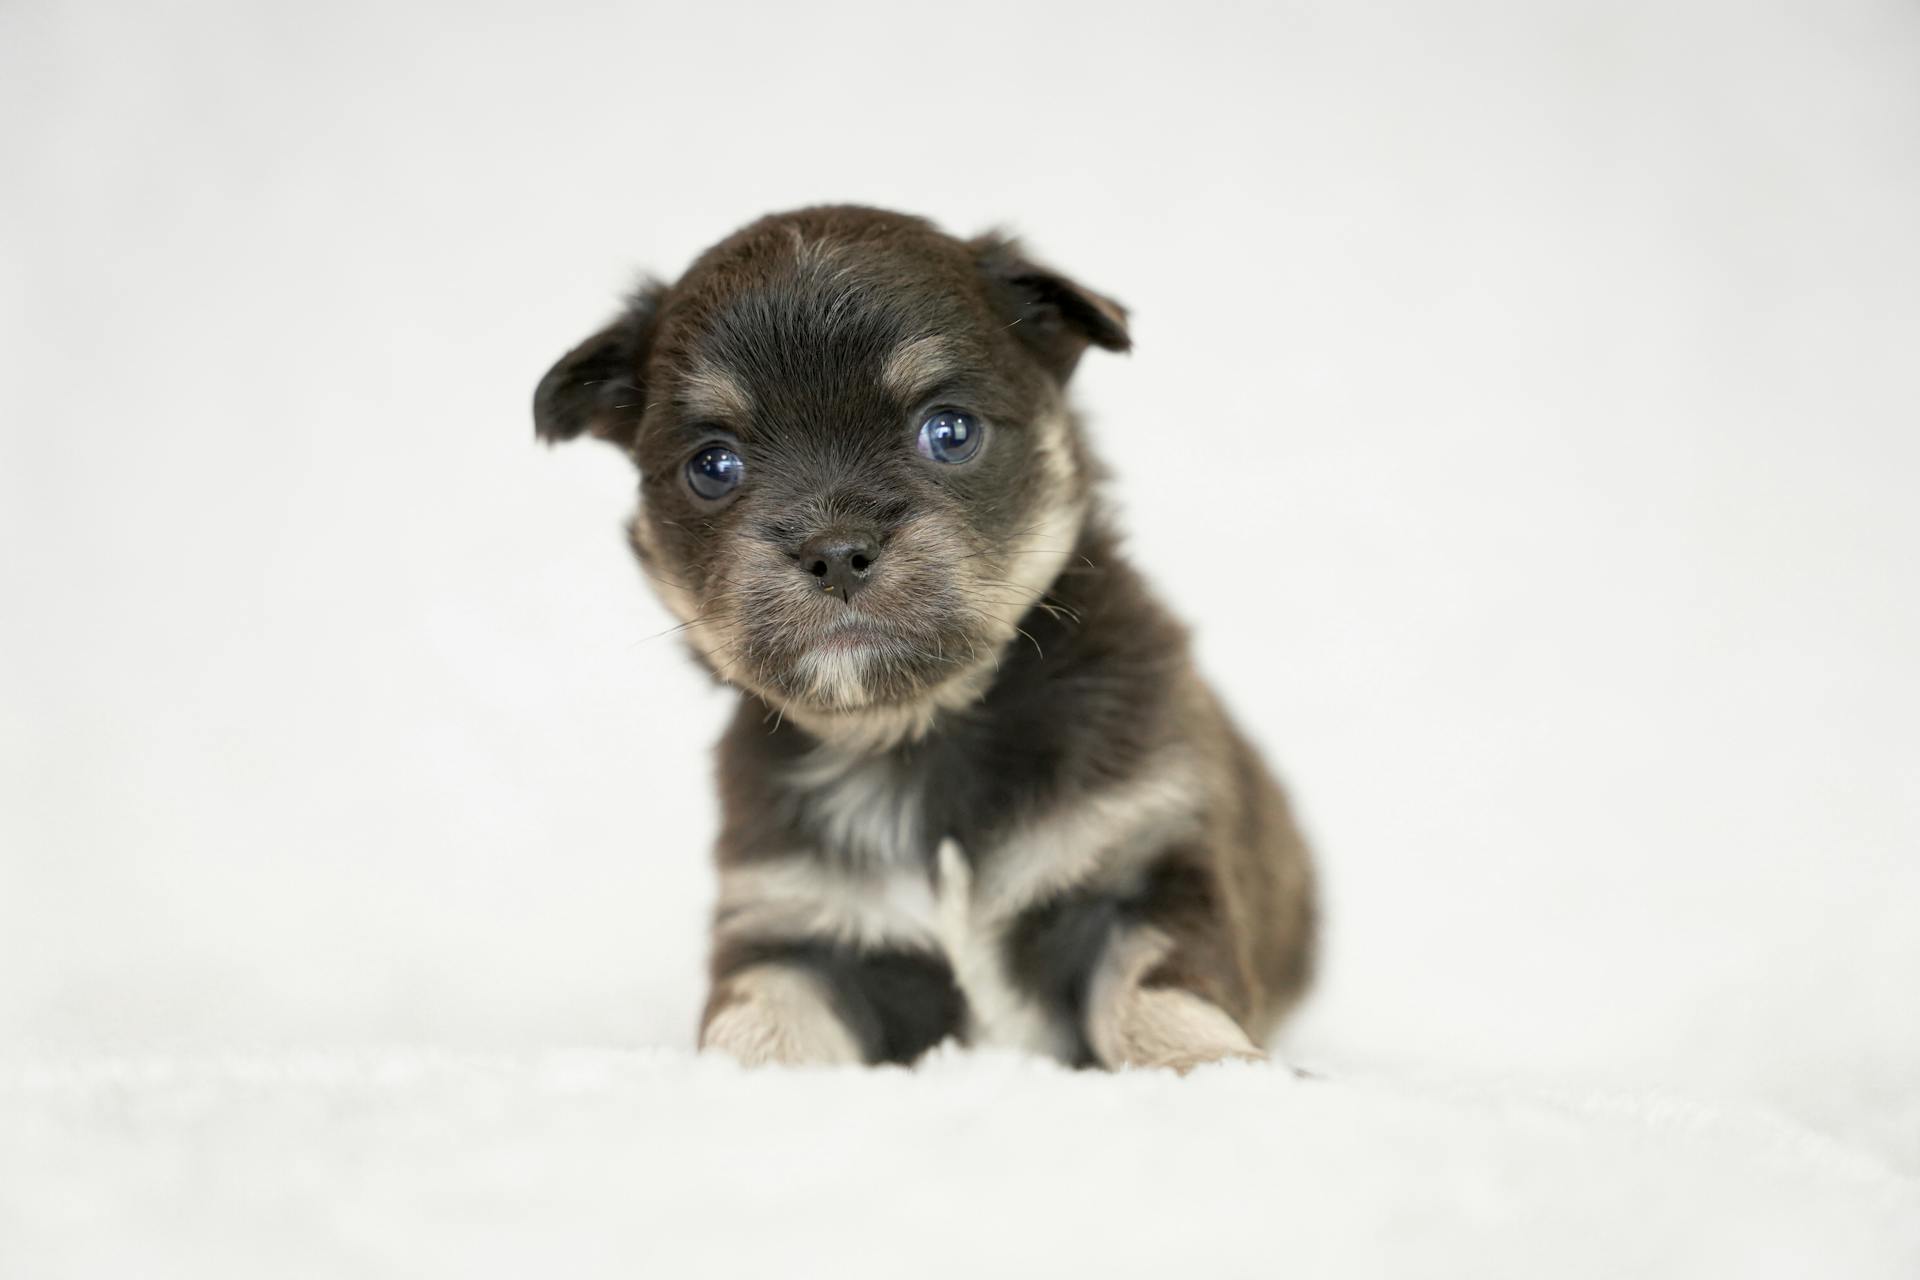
[776,1016]
[1181,1062]
[1164,1027]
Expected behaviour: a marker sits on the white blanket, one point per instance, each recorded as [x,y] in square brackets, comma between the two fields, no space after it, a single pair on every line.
[655,1163]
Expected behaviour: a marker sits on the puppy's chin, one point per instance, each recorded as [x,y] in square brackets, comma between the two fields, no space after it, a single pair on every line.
[860,684]
[858,663]
[845,671]
[875,722]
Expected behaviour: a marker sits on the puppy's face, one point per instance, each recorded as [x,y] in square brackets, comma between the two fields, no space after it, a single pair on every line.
[857,467]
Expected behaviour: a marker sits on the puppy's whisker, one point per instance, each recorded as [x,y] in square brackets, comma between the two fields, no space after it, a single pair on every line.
[1015,536]
[776,712]
[688,625]
[667,581]
[1024,551]
[1044,603]
[1023,631]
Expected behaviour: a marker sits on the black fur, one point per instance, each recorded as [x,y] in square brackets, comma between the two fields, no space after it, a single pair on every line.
[897,1004]
[1053,950]
[595,387]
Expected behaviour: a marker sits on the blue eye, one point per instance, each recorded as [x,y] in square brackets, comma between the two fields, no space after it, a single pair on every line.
[715,472]
[951,436]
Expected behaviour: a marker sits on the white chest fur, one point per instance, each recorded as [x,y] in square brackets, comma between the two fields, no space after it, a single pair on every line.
[975,943]
[876,905]
[868,883]
[871,886]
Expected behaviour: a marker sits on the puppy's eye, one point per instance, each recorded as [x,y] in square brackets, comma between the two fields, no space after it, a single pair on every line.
[951,436]
[715,472]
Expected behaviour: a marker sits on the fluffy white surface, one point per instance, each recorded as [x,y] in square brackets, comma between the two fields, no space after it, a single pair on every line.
[596,1163]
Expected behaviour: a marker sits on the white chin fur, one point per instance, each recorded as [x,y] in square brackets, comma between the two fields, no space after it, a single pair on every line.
[836,677]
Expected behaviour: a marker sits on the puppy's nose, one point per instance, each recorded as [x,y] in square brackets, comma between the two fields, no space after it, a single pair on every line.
[840,560]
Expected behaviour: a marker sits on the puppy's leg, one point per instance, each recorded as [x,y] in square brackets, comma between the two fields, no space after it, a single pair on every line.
[1149,978]
[819,1002]
[776,1014]
[1141,1012]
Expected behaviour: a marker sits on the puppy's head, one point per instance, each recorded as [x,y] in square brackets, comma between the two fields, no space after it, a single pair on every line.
[857,469]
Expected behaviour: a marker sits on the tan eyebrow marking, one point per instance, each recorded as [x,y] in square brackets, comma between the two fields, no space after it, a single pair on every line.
[708,390]
[917,366]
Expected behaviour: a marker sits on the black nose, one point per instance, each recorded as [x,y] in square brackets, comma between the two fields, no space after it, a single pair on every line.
[840,561]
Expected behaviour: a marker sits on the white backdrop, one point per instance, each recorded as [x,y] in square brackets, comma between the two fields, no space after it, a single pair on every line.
[1563,356]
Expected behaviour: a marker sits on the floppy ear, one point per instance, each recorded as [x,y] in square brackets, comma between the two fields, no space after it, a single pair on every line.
[1050,313]
[596,388]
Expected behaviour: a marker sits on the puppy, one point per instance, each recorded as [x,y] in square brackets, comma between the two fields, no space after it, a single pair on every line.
[974,787]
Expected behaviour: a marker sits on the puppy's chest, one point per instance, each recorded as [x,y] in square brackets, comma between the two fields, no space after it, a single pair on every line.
[922,874]
[887,815]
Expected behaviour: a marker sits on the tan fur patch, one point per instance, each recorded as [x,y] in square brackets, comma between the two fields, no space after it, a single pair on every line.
[1105,838]
[777,1015]
[1034,561]
[677,596]
[917,367]
[806,897]
[1130,1025]
[713,636]
[709,390]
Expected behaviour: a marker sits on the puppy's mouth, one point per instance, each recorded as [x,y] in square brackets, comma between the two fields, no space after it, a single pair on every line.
[856,632]
[915,625]
[860,658]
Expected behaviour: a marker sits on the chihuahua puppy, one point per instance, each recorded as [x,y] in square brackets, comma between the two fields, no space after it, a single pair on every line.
[974,787]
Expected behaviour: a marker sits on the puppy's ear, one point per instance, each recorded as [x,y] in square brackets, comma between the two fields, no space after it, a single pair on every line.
[597,387]
[1054,316]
